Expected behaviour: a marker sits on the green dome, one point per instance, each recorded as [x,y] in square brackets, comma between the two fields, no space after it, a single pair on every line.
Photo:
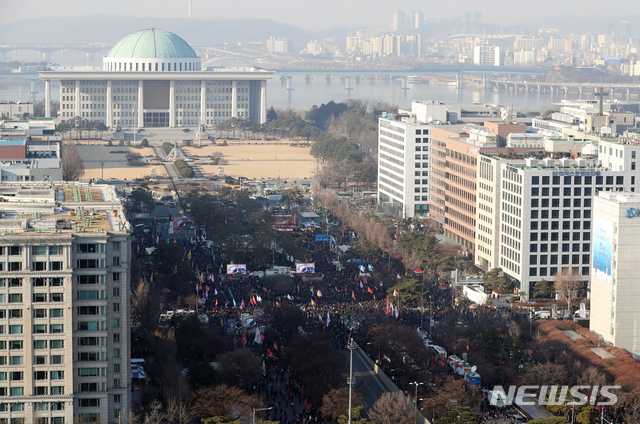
[152,43]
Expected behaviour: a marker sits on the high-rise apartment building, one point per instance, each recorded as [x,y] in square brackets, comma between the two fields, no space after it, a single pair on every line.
[64,304]
[615,269]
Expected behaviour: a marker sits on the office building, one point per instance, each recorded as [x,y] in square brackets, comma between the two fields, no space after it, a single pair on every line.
[403,164]
[153,78]
[534,217]
[24,159]
[64,304]
[488,56]
[615,269]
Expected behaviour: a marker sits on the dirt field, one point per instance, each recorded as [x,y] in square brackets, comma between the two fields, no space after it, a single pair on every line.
[259,160]
[96,154]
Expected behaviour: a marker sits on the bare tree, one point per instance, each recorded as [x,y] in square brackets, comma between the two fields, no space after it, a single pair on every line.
[155,415]
[547,373]
[224,401]
[72,166]
[336,403]
[146,305]
[393,408]
[567,286]
[179,411]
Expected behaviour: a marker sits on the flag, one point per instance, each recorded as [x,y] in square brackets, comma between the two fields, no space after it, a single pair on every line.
[388,308]
[319,293]
[395,293]
[270,354]
[235,341]
[275,346]
[258,298]
[362,269]
[244,339]
[320,316]
[257,338]
[369,290]
[361,285]
[264,289]
[189,255]
[289,297]
[264,369]
[370,267]
[328,318]
[242,305]
[215,291]
[353,295]
[313,303]
[397,312]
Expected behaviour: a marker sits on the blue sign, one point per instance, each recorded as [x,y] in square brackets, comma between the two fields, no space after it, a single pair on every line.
[322,237]
[632,212]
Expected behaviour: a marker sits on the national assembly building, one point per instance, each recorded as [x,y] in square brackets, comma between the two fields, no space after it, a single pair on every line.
[153,78]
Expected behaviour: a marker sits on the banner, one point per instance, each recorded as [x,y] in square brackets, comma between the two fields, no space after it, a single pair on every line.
[237,269]
[308,268]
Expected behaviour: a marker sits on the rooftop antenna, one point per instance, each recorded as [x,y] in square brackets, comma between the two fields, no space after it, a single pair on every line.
[189,9]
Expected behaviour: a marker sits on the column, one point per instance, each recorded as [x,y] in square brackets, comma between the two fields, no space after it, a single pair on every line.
[77,108]
[109,112]
[263,101]
[234,99]
[203,103]
[47,98]
[140,104]
[172,104]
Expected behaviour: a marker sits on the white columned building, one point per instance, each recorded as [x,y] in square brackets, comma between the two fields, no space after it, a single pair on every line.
[153,78]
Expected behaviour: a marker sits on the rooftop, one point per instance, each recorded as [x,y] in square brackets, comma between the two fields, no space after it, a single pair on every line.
[53,208]
[152,43]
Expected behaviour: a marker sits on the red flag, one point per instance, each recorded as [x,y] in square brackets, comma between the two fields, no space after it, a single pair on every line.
[270,355]
[319,293]
[235,342]
[313,303]
[244,339]
[275,346]
[369,290]
[395,293]
[216,302]
[388,308]
[264,289]
[353,295]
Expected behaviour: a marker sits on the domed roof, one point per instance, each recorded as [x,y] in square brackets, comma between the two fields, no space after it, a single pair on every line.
[152,43]
[590,149]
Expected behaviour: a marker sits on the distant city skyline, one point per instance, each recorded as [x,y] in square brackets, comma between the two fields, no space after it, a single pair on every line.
[323,15]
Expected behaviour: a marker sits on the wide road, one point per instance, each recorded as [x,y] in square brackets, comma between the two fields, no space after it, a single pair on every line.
[170,168]
[368,384]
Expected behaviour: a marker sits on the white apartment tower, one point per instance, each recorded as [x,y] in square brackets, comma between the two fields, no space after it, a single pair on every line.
[615,269]
[403,164]
[64,304]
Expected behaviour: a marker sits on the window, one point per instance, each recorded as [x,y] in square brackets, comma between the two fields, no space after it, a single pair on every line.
[87,248]
[15,282]
[116,367]
[56,266]
[116,353]
[88,372]
[39,250]
[17,391]
[42,391]
[57,344]
[57,390]
[87,279]
[15,329]
[116,338]
[39,344]
[116,322]
[55,250]
[57,375]
[57,297]
[15,313]
[16,375]
[89,326]
[40,360]
[40,375]
[116,291]
[15,250]
[15,344]
[116,260]
[116,276]
[57,359]
[40,328]
[87,263]
[90,294]
[56,328]
[86,403]
[88,341]
[39,282]
[39,297]
[55,313]
[15,266]
[116,307]
[88,356]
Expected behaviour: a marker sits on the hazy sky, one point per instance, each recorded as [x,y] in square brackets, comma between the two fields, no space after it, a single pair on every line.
[316,14]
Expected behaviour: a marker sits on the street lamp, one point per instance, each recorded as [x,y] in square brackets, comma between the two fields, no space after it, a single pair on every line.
[259,409]
[416,408]
[351,346]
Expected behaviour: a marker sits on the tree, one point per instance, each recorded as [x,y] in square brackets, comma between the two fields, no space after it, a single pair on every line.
[142,199]
[393,408]
[271,114]
[179,411]
[146,304]
[240,366]
[144,143]
[463,415]
[452,390]
[336,402]
[496,280]
[72,166]
[543,289]
[230,402]
[567,286]
[547,373]
[550,420]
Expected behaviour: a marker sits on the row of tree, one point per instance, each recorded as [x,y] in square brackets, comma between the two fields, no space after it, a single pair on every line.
[82,128]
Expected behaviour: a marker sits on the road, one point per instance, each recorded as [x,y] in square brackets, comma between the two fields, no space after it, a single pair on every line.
[368,384]
[170,168]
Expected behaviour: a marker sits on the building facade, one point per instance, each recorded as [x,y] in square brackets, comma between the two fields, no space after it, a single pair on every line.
[403,164]
[541,216]
[153,78]
[615,269]
[64,305]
